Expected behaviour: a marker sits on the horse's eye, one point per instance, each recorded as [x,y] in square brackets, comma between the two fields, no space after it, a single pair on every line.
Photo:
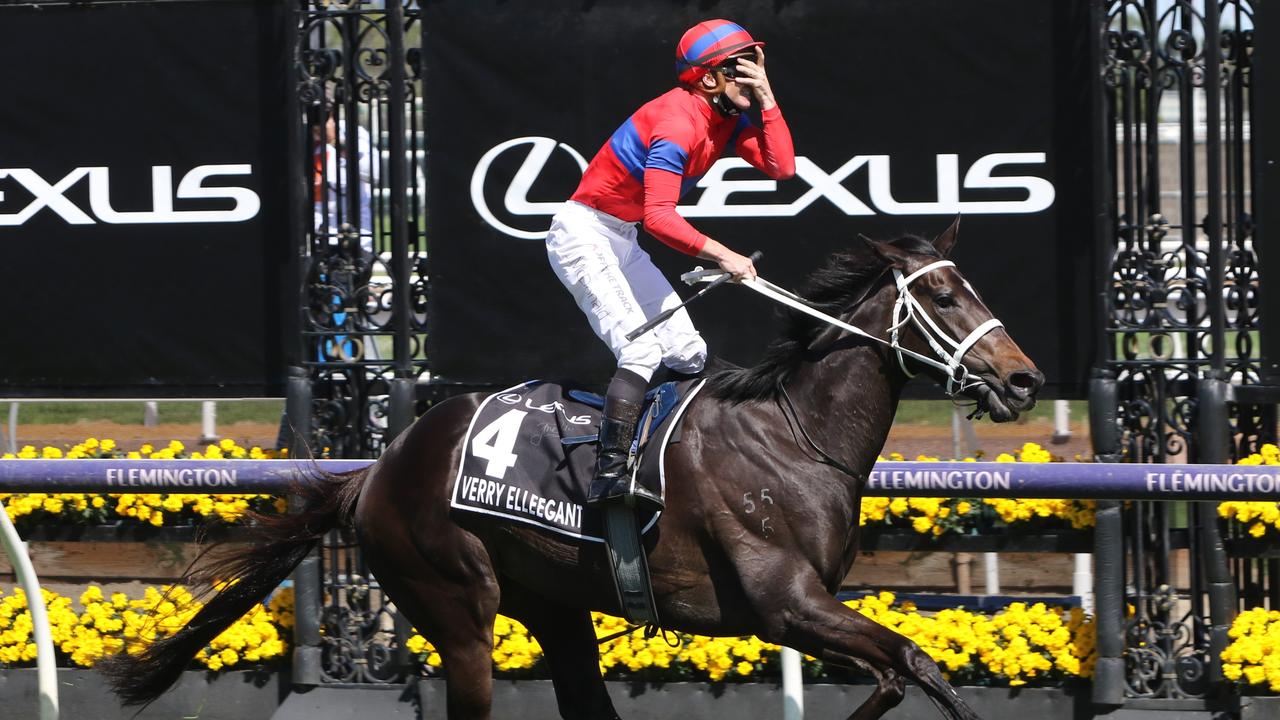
[945,301]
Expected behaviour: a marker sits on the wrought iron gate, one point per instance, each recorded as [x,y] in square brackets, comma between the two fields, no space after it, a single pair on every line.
[1179,351]
[358,200]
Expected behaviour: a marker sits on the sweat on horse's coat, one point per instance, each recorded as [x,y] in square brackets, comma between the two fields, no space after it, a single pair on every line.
[724,560]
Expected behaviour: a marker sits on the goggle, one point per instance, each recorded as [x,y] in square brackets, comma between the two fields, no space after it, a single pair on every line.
[729,68]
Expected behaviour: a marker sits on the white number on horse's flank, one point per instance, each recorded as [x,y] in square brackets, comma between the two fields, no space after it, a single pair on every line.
[495,442]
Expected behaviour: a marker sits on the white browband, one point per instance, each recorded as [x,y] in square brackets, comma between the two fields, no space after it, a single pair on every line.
[907,308]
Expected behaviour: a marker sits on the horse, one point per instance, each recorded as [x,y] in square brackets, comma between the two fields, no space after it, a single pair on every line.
[804,426]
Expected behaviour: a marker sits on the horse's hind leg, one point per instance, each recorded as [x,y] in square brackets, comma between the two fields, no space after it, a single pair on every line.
[568,640]
[451,596]
[458,620]
[823,627]
[439,574]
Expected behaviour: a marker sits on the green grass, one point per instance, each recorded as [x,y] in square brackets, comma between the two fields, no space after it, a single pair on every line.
[1140,343]
[938,412]
[131,413]
[913,412]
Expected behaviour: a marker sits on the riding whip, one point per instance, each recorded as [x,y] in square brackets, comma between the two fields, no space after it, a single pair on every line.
[665,314]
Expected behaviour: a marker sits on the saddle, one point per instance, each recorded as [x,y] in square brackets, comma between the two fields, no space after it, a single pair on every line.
[658,404]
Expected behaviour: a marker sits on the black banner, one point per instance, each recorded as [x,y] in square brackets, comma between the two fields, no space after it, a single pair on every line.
[142,199]
[903,114]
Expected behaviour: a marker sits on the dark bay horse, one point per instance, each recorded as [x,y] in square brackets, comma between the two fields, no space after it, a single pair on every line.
[723,562]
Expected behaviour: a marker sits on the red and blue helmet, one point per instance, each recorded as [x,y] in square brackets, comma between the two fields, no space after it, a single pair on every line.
[706,45]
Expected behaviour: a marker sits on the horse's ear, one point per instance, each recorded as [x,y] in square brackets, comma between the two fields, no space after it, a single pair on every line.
[887,252]
[947,240]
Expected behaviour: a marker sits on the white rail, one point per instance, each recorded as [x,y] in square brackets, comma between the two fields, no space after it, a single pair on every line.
[46,663]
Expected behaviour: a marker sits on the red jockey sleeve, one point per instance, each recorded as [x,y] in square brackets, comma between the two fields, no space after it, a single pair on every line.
[661,191]
[770,150]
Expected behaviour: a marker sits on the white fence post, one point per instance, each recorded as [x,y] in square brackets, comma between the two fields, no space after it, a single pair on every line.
[13,428]
[1061,421]
[792,686]
[991,563]
[46,669]
[1082,581]
[208,421]
[956,451]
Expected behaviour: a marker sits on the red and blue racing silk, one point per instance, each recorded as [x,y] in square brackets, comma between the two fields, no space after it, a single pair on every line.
[662,150]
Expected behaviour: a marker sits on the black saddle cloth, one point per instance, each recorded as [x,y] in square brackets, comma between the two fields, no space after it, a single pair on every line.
[530,452]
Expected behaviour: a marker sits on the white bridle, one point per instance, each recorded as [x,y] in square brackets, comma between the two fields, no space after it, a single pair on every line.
[905,309]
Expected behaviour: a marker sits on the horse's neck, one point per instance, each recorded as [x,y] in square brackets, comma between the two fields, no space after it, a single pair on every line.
[846,398]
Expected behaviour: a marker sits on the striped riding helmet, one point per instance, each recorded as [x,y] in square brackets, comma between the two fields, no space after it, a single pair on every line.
[708,43]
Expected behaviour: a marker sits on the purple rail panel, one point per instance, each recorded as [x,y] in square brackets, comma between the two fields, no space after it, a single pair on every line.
[941,479]
[163,476]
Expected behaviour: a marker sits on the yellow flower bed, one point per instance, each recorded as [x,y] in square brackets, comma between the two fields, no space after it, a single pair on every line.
[150,509]
[935,516]
[1260,517]
[1253,657]
[106,625]
[1019,645]
[107,448]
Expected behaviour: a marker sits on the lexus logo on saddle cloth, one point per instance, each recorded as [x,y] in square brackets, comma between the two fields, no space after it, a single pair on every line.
[716,189]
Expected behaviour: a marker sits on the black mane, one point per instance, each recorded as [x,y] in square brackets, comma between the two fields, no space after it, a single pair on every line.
[833,288]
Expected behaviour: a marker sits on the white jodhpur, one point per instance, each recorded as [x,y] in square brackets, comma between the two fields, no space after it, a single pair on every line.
[618,287]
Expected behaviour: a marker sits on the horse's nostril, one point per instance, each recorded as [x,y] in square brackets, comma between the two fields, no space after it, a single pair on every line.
[1026,382]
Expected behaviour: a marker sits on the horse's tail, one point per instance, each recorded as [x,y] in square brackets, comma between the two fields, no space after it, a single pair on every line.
[242,575]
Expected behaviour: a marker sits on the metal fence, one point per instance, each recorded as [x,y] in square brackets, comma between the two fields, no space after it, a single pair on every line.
[1179,378]
[358,192]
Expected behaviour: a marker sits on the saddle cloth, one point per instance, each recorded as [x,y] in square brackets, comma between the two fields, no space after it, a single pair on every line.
[530,452]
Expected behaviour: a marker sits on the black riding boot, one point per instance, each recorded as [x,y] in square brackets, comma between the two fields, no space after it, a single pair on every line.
[617,430]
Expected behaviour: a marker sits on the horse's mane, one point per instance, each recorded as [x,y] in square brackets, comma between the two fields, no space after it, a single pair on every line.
[833,288]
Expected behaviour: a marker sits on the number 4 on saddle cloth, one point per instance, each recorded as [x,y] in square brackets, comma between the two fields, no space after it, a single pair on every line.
[530,454]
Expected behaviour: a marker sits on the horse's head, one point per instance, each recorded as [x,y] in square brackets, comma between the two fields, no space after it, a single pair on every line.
[941,317]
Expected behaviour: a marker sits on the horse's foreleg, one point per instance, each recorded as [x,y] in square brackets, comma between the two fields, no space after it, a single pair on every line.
[821,626]
[568,640]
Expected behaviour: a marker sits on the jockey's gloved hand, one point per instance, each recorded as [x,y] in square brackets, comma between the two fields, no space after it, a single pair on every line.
[739,266]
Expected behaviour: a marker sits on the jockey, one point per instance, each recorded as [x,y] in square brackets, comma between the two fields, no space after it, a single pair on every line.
[639,175]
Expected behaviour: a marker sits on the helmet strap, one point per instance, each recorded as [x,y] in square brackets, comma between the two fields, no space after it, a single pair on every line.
[719,100]
[724,105]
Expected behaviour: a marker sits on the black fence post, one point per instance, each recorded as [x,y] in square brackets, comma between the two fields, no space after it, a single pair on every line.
[1213,430]
[1108,590]
[402,386]
[1214,443]
[306,577]
[1265,92]
[1108,547]
[404,381]
[1104,398]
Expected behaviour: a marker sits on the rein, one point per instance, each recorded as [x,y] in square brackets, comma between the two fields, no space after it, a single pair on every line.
[906,309]
[824,457]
